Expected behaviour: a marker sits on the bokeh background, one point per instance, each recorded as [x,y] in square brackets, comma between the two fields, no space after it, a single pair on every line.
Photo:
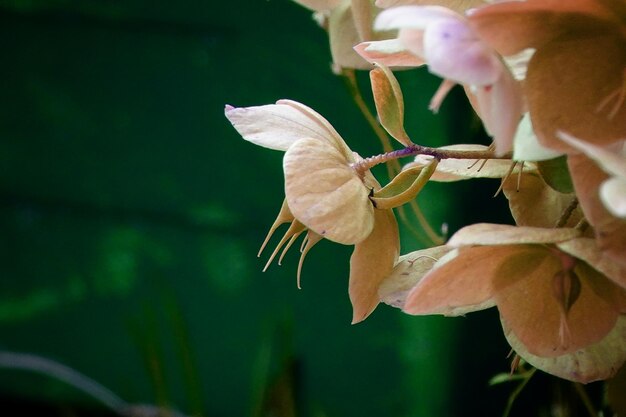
[131,213]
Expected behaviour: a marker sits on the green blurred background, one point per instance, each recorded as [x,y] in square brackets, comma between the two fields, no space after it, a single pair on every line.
[132,212]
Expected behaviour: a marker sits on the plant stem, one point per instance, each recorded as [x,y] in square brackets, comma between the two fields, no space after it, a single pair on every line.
[413,150]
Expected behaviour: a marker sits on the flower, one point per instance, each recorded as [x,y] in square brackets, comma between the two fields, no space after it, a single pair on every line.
[325,194]
[348,22]
[561,302]
[576,79]
[443,40]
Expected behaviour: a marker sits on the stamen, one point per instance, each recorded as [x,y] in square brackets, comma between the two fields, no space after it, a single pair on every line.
[295,228]
[311,239]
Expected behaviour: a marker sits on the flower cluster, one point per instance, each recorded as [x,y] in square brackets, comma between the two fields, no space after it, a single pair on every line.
[548,81]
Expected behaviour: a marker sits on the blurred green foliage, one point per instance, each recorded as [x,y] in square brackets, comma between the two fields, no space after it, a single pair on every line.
[131,213]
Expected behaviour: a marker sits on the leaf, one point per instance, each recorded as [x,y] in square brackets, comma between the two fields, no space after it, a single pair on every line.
[389,103]
[556,175]
[325,193]
[504,234]
[404,187]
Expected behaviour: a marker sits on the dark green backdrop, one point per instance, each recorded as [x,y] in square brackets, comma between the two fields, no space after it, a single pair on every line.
[131,213]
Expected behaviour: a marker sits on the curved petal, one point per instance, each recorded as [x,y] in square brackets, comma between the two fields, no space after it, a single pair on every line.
[526,147]
[278,126]
[407,273]
[390,52]
[526,298]
[504,234]
[372,261]
[613,195]
[319,5]
[595,362]
[587,250]
[501,108]
[534,203]
[329,133]
[412,17]
[571,86]
[460,285]
[610,231]
[325,193]
[512,26]
[453,51]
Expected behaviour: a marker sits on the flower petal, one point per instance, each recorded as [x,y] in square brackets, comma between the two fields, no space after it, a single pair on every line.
[610,231]
[526,300]
[595,362]
[571,84]
[511,26]
[343,34]
[503,234]
[372,261]
[407,273]
[613,195]
[526,147]
[453,51]
[534,203]
[459,285]
[458,6]
[325,193]
[278,126]
[610,161]
[390,52]
[412,17]
[319,5]
[501,108]
[587,250]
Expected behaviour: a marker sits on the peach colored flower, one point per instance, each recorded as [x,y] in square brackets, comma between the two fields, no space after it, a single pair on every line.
[576,79]
[443,40]
[561,301]
[325,195]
